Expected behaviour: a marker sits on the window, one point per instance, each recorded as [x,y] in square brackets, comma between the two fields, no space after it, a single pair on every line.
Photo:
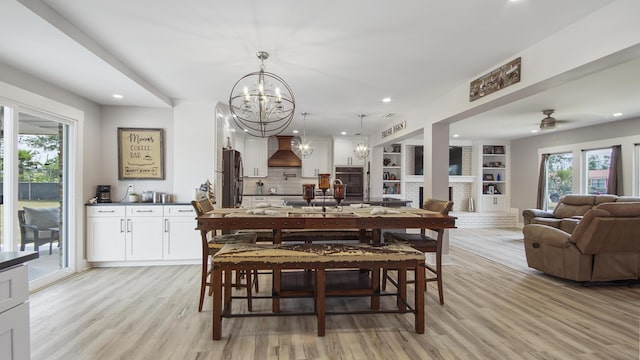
[559,178]
[597,170]
[636,177]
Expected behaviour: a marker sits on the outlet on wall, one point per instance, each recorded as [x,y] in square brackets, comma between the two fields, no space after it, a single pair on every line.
[130,188]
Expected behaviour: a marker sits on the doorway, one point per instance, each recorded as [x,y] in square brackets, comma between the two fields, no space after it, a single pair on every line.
[35,189]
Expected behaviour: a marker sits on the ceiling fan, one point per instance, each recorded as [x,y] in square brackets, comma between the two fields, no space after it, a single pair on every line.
[549,122]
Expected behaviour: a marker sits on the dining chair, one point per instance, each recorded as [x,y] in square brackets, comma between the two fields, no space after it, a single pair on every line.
[424,243]
[211,244]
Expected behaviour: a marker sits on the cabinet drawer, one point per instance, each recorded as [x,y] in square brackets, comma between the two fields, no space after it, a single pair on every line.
[180,210]
[152,210]
[106,211]
[14,287]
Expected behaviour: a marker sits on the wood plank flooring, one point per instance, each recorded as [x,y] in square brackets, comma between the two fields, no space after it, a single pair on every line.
[491,311]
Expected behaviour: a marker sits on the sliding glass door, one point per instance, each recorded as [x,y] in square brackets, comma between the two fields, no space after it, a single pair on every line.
[42,192]
[35,192]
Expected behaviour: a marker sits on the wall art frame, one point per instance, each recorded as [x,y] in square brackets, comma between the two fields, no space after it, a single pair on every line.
[140,154]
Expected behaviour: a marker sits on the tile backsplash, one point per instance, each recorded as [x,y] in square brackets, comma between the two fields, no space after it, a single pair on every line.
[287,179]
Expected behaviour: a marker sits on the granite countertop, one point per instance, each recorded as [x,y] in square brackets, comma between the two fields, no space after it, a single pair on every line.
[11,258]
[137,204]
[346,202]
[267,194]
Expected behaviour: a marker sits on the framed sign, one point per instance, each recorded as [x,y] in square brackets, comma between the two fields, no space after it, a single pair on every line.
[140,154]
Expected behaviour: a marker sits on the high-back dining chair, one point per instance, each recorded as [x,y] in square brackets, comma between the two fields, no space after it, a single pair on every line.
[211,243]
[425,243]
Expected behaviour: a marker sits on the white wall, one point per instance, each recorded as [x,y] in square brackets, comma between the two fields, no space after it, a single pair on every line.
[195,147]
[525,159]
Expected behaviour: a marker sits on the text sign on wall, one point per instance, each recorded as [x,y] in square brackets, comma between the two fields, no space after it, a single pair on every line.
[140,154]
[394,129]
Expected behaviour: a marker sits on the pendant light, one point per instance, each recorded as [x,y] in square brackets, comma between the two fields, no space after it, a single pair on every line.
[304,146]
[361,151]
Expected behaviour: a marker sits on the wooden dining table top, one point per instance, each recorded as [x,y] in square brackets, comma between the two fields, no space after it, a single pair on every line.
[279,218]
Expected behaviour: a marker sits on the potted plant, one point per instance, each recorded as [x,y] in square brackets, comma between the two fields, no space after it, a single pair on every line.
[133,198]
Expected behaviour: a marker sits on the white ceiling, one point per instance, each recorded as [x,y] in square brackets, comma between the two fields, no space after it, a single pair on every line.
[340,57]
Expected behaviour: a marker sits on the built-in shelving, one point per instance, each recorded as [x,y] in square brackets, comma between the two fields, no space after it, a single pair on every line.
[392,170]
[494,171]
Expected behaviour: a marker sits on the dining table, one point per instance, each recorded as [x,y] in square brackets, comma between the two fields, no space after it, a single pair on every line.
[370,221]
[364,218]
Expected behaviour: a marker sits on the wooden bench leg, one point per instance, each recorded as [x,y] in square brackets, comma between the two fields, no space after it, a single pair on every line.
[320,300]
[216,282]
[402,289]
[419,301]
[227,291]
[275,301]
[375,287]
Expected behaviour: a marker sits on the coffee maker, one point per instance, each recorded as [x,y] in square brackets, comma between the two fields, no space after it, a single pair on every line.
[103,193]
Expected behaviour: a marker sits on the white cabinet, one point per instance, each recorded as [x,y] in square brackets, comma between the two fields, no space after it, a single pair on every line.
[106,231]
[180,241]
[142,233]
[494,203]
[319,162]
[14,313]
[256,157]
[343,151]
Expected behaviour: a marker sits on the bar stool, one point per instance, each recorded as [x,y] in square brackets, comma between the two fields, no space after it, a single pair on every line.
[425,244]
[211,244]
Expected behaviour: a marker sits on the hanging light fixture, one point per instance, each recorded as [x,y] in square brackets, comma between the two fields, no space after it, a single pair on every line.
[304,146]
[262,103]
[361,151]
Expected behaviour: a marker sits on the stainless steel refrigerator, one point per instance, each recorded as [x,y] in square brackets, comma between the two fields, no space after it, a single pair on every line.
[232,174]
[353,177]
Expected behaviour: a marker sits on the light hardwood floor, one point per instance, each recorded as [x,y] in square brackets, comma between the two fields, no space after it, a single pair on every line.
[491,311]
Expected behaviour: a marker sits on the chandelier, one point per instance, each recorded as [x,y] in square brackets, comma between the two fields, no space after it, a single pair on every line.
[261,102]
[304,146]
[361,151]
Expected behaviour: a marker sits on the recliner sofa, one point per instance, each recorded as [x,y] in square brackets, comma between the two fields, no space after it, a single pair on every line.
[570,209]
[604,245]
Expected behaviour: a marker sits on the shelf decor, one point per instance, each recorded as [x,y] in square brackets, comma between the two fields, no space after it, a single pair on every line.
[140,154]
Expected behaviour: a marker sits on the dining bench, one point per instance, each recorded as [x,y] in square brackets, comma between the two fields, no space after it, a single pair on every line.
[321,260]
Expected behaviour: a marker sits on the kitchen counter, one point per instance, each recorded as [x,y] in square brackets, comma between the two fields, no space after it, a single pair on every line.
[137,204]
[276,195]
[346,202]
[12,258]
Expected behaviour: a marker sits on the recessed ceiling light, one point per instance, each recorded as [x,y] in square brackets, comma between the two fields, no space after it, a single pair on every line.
[343,133]
[295,131]
[617,114]
[386,100]
[117,96]
[456,135]
[534,131]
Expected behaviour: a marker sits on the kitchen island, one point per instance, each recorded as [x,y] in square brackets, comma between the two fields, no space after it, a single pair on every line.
[14,305]
[296,200]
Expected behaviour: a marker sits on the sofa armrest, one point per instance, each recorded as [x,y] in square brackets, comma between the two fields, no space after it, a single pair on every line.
[546,235]
[529,214]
